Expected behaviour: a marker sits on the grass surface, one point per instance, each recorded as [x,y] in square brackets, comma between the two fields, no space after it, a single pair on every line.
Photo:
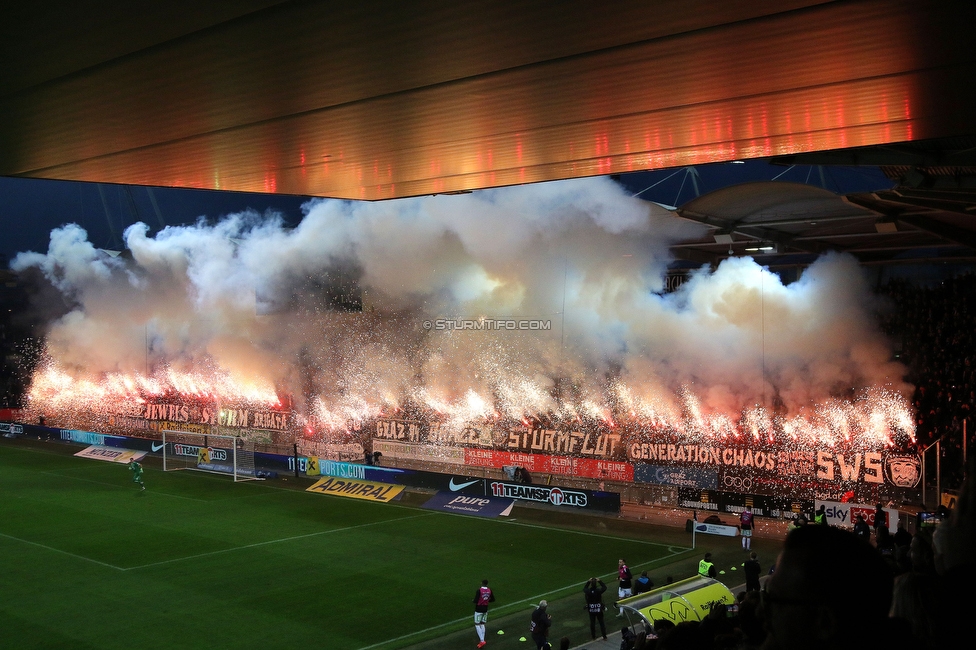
[199,561]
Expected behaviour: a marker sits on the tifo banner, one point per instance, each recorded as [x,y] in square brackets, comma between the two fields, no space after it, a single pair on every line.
[597,444]
[326,451]
[470,505]
[606,470]
[415,451]
[369,491]
[775,470]
[111,454]
[845,514]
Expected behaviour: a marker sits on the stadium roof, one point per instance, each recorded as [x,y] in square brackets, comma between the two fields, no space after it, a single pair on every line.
[927,214]
[389,99]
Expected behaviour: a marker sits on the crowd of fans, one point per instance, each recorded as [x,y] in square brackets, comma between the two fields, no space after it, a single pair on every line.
[834,589]
[932,327]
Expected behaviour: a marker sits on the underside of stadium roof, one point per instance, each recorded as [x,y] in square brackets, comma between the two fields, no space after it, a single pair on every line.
[928,215]
[387,99]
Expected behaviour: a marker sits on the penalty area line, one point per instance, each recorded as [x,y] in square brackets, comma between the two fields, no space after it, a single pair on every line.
[123,487]
[417,633]
[271,541]
[57,550]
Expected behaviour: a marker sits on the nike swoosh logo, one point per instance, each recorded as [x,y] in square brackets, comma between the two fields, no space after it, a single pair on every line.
[455,487]
[161,445]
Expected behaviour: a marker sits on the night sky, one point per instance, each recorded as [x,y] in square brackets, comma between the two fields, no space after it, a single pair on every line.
[31,208]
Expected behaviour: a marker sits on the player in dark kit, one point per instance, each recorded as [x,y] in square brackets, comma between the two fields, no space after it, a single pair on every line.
[482,596]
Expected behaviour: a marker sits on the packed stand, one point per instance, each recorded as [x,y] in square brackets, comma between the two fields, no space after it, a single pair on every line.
[933,326]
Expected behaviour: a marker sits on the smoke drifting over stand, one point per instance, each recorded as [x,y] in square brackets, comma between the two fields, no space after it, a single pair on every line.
[237,306]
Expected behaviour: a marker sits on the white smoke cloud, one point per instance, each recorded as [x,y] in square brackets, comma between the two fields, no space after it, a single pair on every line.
[582,255]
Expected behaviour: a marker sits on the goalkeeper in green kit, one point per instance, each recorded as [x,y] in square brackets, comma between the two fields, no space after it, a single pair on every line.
[136,473]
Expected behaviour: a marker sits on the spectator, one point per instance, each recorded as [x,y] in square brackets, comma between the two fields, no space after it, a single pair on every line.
[921,555]
[643,583]
[903,545]
[861,528]
[885,543]
[828,589]
[939,350]
[880,519]
[919,601]
[627,638]
[753,571]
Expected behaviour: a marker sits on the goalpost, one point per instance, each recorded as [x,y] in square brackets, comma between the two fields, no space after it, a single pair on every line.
[205,452]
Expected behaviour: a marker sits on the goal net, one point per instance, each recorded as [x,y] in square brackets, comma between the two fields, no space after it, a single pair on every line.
[205,452]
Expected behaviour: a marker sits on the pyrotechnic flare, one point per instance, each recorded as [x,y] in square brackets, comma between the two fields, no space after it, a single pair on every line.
[243,311]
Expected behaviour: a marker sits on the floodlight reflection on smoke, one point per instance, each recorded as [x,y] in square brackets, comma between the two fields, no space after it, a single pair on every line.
[232,312]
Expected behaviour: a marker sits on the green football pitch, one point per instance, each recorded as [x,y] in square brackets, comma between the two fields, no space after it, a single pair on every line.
[198,561]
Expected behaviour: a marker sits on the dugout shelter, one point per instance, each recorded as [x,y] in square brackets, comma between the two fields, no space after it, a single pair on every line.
[686,600]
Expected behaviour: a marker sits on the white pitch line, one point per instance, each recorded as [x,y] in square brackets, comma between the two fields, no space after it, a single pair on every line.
[418,632]
[532,600]
[272,541]
[57,550]
[120,487]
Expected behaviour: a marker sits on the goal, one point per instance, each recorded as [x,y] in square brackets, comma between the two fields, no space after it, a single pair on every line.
[212,453]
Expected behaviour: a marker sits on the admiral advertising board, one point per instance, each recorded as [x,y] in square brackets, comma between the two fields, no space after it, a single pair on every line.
[354,489]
